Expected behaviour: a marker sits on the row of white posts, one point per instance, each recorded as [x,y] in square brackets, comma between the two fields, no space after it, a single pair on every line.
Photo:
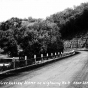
[14,65]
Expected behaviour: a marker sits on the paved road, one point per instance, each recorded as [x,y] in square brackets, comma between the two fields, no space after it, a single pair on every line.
[59,74]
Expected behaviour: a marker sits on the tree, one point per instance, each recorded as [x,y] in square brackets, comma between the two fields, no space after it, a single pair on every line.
[8,43]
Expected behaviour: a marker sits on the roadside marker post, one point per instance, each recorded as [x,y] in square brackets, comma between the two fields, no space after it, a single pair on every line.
[51,55]
[35,59]
[42,57]
[25,60]
[55,54]
[58,54]
[14,63]
[47,56]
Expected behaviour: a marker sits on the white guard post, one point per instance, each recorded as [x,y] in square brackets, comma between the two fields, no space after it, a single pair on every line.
[35,58]
[42,56]
[25,60]
[51,54]
[13,63]
[47,56]
[58,53]
[55,54]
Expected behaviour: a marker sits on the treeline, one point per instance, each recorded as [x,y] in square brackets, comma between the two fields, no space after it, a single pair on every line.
[73,25]
[29,36]
[71,21]
[36,36]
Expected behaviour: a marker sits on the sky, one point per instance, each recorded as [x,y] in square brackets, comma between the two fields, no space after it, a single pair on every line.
[34,8]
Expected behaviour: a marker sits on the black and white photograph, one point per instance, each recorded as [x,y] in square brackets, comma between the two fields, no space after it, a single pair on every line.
[43,43]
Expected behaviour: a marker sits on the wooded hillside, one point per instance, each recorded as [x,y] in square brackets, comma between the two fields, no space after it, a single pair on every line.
[73,24]
[68,28]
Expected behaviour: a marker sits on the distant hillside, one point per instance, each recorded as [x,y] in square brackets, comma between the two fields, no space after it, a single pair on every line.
[72,22]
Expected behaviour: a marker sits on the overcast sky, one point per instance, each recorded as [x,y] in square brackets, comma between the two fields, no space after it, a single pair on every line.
[34,8]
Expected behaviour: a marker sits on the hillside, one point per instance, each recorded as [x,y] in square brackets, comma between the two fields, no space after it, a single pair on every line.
[66,29]
[31,36]
[73,24]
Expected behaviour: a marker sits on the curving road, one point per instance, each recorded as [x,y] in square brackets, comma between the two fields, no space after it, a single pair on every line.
[60,74]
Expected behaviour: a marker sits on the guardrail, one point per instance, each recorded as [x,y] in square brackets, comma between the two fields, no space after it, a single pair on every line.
[19,64]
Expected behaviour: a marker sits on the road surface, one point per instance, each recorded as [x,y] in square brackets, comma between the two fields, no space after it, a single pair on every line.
[60,74]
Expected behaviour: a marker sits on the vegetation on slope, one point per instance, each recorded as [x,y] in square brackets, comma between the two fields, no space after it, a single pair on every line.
[35,36]
[73,24]
[32,36]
